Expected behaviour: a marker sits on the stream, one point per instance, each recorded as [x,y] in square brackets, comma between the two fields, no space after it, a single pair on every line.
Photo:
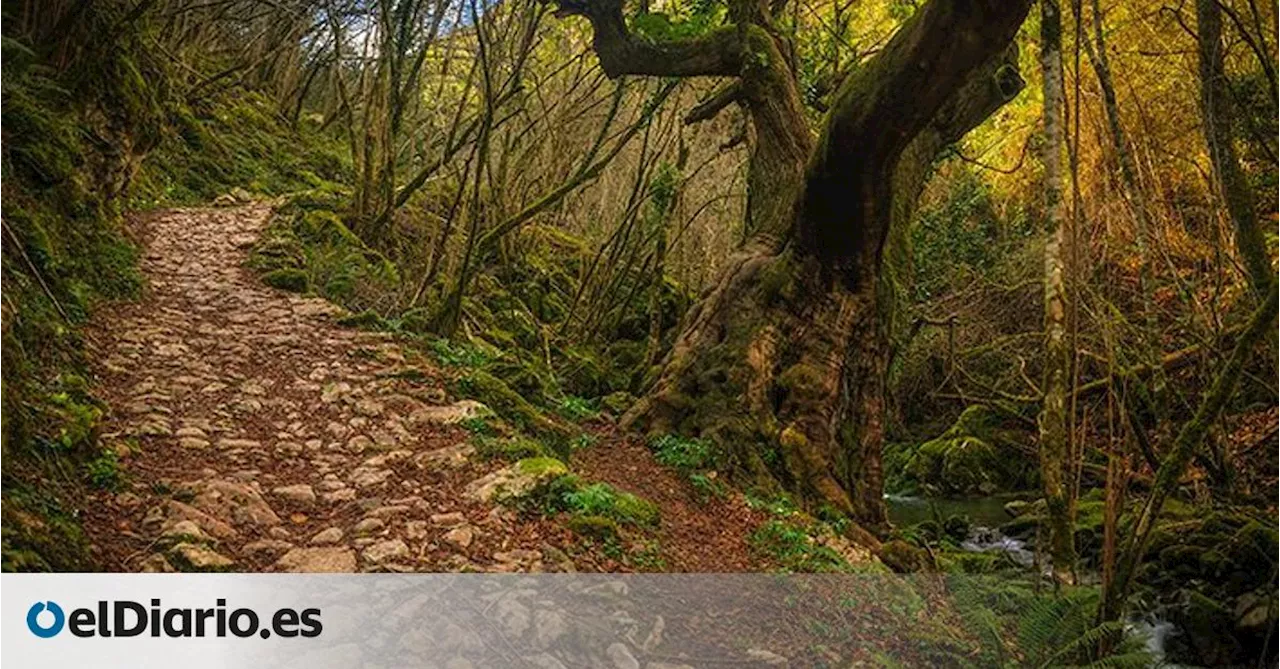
[986,515]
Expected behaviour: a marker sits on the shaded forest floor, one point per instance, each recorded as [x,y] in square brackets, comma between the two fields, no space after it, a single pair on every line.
[255,433]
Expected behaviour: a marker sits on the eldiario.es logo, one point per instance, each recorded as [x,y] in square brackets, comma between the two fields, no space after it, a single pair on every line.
[124,618]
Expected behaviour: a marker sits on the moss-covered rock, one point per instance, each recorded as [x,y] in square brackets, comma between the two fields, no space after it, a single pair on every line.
[618,402]
[602,499]
[288,278]
[510,448]
[977,455]
[517,482]
[508,404]
[365,320]
[600,528]
[903,557]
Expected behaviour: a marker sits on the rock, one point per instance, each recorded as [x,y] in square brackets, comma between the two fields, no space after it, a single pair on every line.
[1016,507]
[318,560]
[239,502]
[176,511]
[516,481]
[902,557]
[156,564]
[184,531]
[368,407]
[448,519]
[415,529]
[979,453]
[460,537]
[369,526]
[451,414]
[268,547]
[300,493]
[1252,612]
[193,443]
[365,477]
[386,551]
[331,535]
[449,457]
[198,557]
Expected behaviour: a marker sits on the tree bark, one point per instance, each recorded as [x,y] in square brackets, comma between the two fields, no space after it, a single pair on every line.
[781,363]
[1054,432]
[1215,114]
[1184,449]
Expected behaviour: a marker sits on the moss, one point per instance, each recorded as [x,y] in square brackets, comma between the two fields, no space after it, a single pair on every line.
[602,499]
[600,528]
[542,467]
[497,395]
[365,320]
[39,532]
[902,557]
[975,456]
[618,402]
[795,549]
[511,448]
[288,278]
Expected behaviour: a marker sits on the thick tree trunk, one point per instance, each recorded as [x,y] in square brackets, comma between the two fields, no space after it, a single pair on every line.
[781,363]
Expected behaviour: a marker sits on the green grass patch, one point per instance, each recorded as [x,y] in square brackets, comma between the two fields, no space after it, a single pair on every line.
[682,453]
[602,499]
[577,409]
[794,549]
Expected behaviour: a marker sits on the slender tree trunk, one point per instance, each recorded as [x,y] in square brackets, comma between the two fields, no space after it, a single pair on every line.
[1101,62]
[1237,196]
[1054,434]
[1184,449]
[1215,112]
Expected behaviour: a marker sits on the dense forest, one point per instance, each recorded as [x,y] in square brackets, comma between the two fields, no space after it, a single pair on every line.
[979,293]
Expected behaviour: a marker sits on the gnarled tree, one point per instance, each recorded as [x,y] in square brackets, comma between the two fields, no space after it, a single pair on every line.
[782,360]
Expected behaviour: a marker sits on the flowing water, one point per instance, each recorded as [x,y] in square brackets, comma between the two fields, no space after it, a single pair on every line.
[986,515]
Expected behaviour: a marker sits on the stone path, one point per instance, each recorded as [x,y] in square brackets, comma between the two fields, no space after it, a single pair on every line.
[257,435]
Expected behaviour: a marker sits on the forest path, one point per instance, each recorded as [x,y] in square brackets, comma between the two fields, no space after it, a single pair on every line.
[257,435]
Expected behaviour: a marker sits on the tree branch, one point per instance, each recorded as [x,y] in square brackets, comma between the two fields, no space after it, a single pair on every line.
[717,53]
[708,108]
[880,109]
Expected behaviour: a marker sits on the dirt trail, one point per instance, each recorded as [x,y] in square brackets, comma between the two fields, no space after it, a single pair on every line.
[258,435]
